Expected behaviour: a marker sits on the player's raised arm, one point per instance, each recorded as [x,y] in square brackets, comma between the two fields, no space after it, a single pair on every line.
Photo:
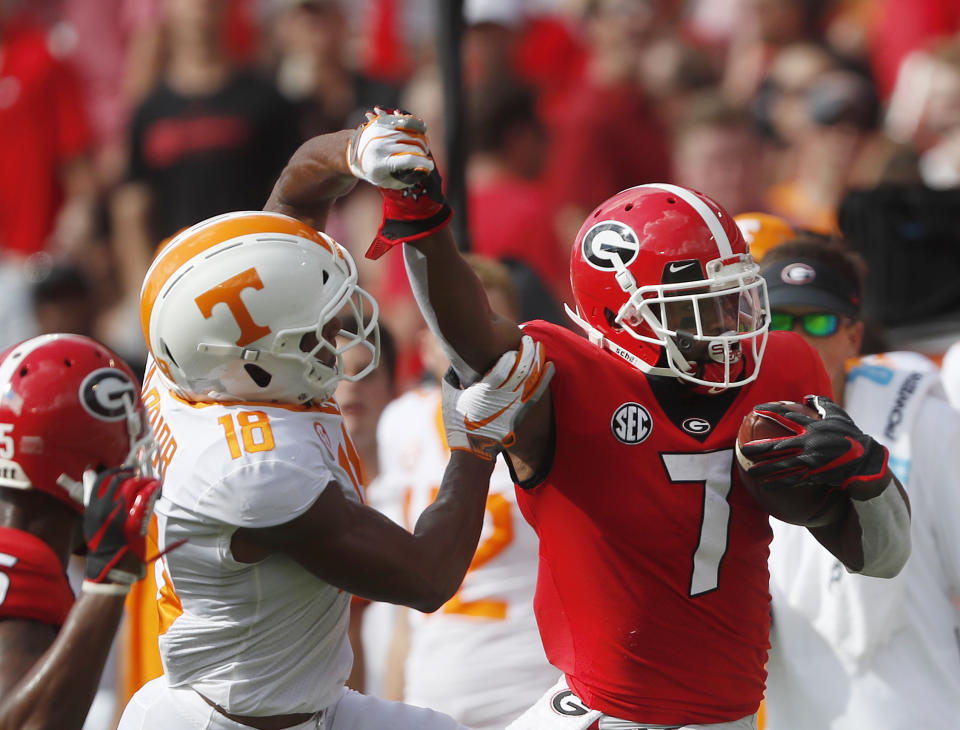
[391,152]
[314,177]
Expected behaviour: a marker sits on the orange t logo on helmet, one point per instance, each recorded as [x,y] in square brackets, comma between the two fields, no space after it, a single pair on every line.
[228,292]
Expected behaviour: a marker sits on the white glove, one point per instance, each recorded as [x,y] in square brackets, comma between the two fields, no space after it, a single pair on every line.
[390,150]
[482,419]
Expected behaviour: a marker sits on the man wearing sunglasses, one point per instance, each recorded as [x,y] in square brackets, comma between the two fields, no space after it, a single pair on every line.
[851,652]
[818,299]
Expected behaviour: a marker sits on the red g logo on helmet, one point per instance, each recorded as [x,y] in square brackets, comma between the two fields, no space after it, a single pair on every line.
[108,394]
[608,240]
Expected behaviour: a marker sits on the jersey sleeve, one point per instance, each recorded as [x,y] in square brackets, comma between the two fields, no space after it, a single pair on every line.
[263,493]
[33,584]
[268,487]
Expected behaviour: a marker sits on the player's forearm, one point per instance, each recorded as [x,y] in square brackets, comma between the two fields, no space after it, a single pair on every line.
[885,531]
[363,552]
[455,306]
[449,529]
[874,536]
[316,175]
[59,688]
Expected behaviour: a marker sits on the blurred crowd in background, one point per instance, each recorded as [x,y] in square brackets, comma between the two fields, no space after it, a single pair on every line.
[124,121]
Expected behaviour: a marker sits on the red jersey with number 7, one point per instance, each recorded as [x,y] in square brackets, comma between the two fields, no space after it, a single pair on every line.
[652,589]
[32,582]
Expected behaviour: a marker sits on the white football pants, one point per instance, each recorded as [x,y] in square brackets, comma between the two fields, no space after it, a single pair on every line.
[156,706]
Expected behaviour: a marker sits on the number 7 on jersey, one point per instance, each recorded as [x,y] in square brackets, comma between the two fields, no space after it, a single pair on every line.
[712,470]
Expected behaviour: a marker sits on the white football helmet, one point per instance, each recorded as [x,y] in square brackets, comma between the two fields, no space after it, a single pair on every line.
[235,308]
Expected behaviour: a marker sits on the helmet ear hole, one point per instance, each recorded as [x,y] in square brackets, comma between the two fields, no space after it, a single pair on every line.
[166,351]
[611,317]
[258,375]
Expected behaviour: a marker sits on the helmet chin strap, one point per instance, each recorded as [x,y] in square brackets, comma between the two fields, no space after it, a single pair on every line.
[599,339]
[73,487]
[673,351]
[628,284]
[593,334]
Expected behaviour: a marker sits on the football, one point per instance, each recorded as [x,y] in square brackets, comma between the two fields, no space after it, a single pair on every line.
[809,505]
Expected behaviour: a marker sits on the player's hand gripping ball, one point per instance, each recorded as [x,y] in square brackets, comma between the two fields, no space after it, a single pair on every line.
[783,493]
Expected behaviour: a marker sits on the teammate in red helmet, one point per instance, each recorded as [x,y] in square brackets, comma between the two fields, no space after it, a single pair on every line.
[75,447]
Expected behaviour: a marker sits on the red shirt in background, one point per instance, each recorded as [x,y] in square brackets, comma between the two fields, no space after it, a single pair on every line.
[608,139]
[902,26]
[43,124]
[511,218]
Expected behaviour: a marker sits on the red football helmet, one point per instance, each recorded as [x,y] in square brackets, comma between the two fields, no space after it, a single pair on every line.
[662,277]
[67,404]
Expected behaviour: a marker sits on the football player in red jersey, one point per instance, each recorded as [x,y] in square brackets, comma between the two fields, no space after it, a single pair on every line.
[74,446]
[652,589]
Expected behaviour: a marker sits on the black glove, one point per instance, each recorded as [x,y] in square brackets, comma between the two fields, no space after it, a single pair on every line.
[831,450]
[118,503]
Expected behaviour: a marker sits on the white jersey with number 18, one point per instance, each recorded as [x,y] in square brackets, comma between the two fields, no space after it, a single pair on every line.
[265,638]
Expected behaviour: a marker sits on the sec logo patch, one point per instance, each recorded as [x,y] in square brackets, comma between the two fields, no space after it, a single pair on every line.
[631,424]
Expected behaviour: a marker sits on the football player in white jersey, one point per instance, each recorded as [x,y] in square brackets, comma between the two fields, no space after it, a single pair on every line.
[479,658]
[241,314]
